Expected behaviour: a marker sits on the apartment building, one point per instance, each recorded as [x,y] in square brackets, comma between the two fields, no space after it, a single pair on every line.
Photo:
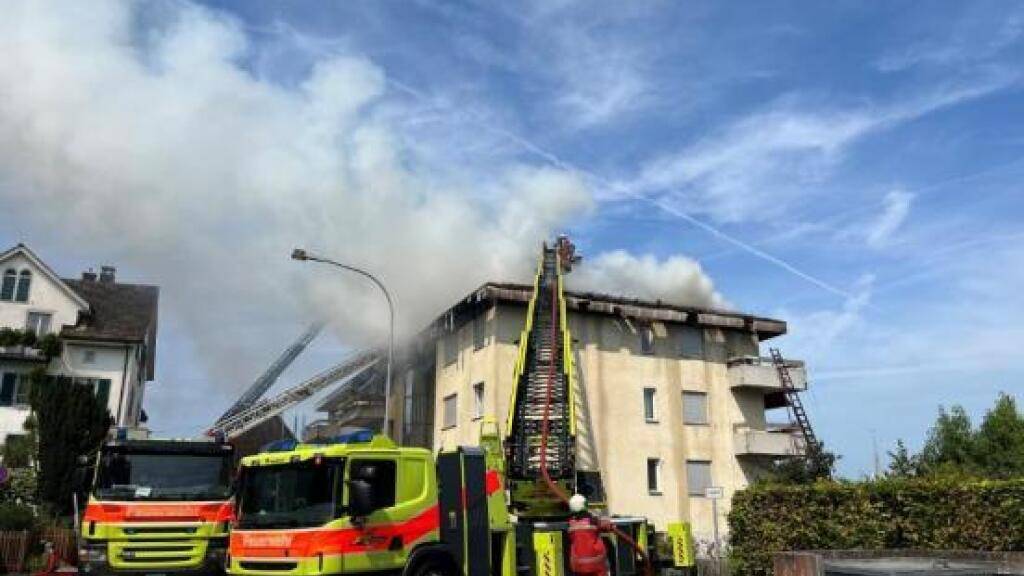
[106,332]
[671,400]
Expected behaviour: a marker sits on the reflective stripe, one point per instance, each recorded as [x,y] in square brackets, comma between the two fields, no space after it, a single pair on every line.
[586,528]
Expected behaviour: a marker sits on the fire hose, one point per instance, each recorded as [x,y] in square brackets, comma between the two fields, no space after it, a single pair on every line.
[558,492]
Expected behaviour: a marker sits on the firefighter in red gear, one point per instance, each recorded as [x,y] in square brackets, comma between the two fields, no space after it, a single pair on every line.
[587,553]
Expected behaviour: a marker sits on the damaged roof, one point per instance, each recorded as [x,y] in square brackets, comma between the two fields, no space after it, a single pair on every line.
[649,310]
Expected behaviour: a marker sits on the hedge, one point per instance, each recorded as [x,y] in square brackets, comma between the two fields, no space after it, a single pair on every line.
[928,514]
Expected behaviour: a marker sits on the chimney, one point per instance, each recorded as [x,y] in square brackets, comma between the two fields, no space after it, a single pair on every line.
[107,274]
[89,275]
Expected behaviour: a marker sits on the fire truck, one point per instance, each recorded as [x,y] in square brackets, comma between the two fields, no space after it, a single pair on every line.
[158,506]
[359,503]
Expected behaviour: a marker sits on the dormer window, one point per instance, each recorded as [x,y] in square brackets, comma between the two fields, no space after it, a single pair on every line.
[24,283]
[7,289]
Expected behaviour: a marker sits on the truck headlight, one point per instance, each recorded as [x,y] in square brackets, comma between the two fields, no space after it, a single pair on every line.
[95,554]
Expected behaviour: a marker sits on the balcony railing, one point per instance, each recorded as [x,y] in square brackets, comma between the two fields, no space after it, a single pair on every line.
[767,443]
[758,372]
[25,353]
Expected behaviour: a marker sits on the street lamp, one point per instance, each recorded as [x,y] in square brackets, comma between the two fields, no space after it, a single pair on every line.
[301,255]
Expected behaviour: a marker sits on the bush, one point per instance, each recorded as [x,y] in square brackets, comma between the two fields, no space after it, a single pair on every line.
[932,514]
[20,487]
[10,337]
[18,451]
[16,517]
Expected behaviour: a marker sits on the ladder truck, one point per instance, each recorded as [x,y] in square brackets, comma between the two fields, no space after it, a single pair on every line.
[359,503]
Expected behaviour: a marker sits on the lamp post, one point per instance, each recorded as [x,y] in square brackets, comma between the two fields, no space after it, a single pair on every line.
[301,255]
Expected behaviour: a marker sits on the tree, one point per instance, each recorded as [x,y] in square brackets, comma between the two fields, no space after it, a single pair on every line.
[71,423]
[950,444]
[999,441]
[903,464]
[819,464]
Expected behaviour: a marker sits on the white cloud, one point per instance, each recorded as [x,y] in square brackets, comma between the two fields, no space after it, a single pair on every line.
[757,167]
[896,208]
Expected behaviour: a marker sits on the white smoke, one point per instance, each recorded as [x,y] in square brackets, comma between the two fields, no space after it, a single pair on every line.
[676,280]
[136,132]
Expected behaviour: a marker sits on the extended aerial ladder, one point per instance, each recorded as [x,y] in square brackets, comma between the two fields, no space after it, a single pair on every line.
[260,386]
[263,410]
[796,405]
[541,441]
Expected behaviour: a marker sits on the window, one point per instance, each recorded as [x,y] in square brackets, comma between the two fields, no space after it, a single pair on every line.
[650,414]
[451,351]
[100,387]
[24,282]
[23,390]
[698,476]
[740,343]
[38,323]
[480,331]
[89,357]
[654,475]
[695,408]
[7,290]
[451,405]
[478,400]
[691,342]
[381,474]
[7,386]
[646,340]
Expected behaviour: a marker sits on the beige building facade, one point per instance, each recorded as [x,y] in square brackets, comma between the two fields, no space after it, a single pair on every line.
[670,400]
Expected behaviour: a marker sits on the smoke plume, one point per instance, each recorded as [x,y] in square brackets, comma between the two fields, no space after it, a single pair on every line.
[142,134]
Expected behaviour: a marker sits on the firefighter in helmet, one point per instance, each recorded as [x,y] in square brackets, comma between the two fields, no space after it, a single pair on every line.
[587,553]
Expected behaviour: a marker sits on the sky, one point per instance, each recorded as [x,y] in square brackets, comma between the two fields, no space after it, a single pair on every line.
[853,168]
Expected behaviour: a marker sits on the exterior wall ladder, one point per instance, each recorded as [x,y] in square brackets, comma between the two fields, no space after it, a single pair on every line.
[796,406]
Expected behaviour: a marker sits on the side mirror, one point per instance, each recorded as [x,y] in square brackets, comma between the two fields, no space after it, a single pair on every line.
[360,498]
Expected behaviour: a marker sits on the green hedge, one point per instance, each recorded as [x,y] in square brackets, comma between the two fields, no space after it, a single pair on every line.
[934,514]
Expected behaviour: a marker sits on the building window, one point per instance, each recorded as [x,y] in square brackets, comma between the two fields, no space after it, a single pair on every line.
[647,340]
[89,357]
[451,405]
[24,283]
[695,408]
[7,290]
[478,400]
[7,387]
[23,391]
[100,387]
[740,344]
[650,414]
[698,476]
[38,323]
[451,351]
[654,475]
[691,343]
[480,331]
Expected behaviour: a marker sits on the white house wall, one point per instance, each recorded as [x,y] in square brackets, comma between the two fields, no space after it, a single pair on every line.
[44,296]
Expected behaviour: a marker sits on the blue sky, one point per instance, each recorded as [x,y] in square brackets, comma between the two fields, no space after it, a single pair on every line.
[853,168]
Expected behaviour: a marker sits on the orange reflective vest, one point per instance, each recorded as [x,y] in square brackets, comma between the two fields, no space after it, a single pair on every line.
[587,553]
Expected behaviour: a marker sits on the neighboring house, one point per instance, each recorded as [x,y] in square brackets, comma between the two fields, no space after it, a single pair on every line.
[671,399]
[107,331]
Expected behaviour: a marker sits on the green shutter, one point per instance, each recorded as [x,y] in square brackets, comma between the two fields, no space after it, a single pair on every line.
[7,389]
[103,391]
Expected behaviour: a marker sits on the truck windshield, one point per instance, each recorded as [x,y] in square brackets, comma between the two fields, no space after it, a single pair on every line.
[298,494]
[161,476]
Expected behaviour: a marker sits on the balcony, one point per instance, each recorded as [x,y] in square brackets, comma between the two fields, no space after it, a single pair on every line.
[23,354]
[767,443]
[757,372]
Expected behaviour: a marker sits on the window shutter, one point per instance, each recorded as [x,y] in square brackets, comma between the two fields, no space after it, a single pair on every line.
[7,389]
[103,391]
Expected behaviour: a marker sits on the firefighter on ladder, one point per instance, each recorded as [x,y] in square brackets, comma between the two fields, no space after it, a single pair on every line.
[587,553]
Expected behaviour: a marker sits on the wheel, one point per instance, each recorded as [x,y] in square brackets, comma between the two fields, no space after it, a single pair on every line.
[434,566]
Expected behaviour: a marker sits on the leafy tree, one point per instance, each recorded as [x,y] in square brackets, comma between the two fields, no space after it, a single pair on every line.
[999,441]
[71,423]
[903,464]
[819,464]
[950,443]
